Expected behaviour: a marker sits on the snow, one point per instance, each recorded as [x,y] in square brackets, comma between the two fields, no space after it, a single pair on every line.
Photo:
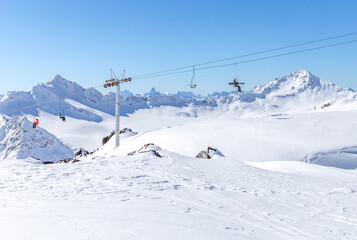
[19,140]
[347,158]
[175,197]
[286,167]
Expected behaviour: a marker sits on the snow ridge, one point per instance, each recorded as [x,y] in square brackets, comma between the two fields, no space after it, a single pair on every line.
[19,140]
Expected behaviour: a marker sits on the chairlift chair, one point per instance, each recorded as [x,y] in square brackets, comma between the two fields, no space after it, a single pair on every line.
[192,85]
[61,112]
[235,82]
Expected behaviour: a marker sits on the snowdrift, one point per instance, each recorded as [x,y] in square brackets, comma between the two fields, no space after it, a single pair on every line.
[345,158]
[19,140]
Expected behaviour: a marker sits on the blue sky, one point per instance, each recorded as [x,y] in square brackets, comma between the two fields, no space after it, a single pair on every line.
[82,40]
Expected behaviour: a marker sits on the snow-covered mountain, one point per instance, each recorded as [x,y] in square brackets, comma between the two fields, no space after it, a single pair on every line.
[299,91]
[272,183]
[61,95]
[19,140]
[49,98]
[304,87]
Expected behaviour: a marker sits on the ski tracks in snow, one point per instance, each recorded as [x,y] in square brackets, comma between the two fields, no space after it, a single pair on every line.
[199,197]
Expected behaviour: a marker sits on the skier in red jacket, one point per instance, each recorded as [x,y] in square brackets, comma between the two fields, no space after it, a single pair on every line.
[36,123]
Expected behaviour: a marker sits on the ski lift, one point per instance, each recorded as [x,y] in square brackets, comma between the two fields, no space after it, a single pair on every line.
[61,112]
[193,76]
[35,119]
[235,82]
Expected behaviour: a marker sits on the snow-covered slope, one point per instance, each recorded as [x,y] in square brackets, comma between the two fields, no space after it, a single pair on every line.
[175,197]
[19,140]
[301,88]
[348,103]
[345,158]
[274,128]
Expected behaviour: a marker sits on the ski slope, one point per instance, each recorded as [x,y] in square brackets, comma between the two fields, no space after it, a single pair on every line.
[175,197]
[289,170]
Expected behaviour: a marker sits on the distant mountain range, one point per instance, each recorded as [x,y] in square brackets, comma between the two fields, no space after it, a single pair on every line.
[298,91]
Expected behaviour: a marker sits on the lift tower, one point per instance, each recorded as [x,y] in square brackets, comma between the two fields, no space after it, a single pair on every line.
[114,81]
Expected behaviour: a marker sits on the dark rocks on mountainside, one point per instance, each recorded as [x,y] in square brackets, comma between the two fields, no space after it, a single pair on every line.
[124,130]
[69,160]
[323,106]
[203,154]
[107,138]
[65,160]
[210,153]
[147,148]
[81,153]
[48,162]
[326,105]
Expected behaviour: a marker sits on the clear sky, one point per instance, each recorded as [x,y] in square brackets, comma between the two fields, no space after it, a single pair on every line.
[82,40]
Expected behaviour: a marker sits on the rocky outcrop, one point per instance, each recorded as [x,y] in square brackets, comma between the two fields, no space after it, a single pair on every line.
[210,153]
[147,148]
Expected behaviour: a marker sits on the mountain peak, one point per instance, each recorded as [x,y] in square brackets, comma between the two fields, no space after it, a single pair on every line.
[301,72]
[154,92]
[61,86]
[58,79]
[295,82]
[303,75]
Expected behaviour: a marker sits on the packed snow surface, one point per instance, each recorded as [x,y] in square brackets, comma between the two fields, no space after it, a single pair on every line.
[286,169]
[175,197]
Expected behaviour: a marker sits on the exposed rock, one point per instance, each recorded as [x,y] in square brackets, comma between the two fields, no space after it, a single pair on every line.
[132,153]
[48,162]
[203,154]
[69,160]
[210,153]
[126,130]
[81,152]
[107,138]
[147,148]
[325,105]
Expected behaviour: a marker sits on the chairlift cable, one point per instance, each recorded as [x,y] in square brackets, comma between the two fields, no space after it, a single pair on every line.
[250,60]
[216,66]
[249,54]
